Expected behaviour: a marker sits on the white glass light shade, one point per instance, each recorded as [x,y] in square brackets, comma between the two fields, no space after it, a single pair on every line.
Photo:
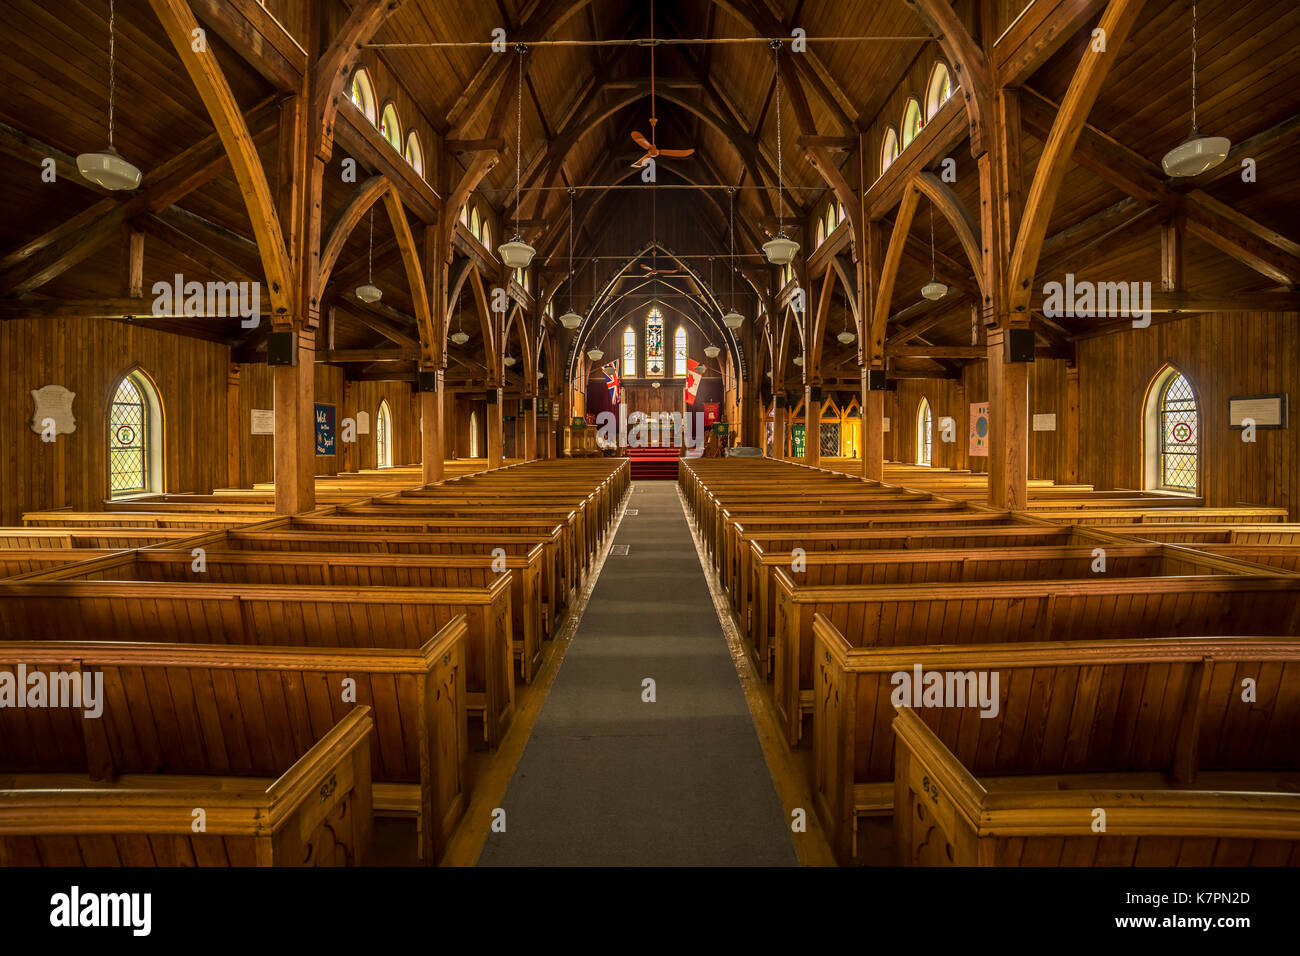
[780,250]
[459,337]
[846,337]
[934,290]
[369,293]
[1196,154]
[516,253]
[571,320]
[109,170]
[595,354]
[712,351]
[733,320]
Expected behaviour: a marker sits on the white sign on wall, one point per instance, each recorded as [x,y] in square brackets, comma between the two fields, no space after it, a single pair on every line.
[263,421]
[363,423]
[1266,411]
[1045,423]
[53,403]
[886,421]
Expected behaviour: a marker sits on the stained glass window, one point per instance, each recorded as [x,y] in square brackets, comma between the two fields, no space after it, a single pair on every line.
[383,437]
[415,152]
[390,128]
[924,430]
[363,94]
[679,352]
[939,91]
[1179,435]
[911,122]
[888,149]
[128,440]
[629,353]
[654,344]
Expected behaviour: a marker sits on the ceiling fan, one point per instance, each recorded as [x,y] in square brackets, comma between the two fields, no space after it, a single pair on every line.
[650,146]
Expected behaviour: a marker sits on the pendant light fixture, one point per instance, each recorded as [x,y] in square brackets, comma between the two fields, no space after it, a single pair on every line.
[370,292]
[798,360]
[1197,153]
[459,336]
[934,289]
[107,168]
[516,253]
[712,351]
[595,354]
[509,360]
[571,320]
[779,250]
[846,337]
[733,319]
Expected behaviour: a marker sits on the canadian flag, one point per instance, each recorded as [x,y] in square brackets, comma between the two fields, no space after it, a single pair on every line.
[694,372]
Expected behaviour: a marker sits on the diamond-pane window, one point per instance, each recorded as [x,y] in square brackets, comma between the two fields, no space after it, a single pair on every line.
[924,433]
[128,440]
[829,444]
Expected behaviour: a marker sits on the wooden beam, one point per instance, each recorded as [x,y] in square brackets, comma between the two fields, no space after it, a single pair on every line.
[368,355]
[430,348]
[1226,302]
[346,219]
[334,68]
[179,25]
[970,68]
[961,220]
[1042,28]
[1085,85]
[1266,251]
[258,38]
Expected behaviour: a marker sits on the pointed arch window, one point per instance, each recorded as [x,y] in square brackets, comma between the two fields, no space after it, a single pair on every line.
[654,344]
[912,122]
[383,436]
[938,91]
[473,435]
[1173,434]
[629,352]
[390,128]
[415,152]
[821,232]
[475,227]
[362,93]
[888,149]
[464,216]
[679,352]
[134,438]
[486,237]
[924,432]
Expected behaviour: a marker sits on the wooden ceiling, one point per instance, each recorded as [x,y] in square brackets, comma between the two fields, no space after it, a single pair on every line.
[583,95]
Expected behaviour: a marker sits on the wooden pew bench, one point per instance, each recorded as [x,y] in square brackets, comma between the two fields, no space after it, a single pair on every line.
[231,711]
[315,811]
[1193,533]
[1166,709]
[1014,612]
[341,571]
[279,616]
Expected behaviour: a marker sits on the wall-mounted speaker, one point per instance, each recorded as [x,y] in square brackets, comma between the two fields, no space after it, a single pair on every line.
[780,400]
[816,394]
[525,404]
[491,396]
[282,348]
[1020,345]
[428,381]
[876,381]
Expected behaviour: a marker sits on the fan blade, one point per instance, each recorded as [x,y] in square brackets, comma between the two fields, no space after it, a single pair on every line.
[676,152]
[641,141]
[640,163]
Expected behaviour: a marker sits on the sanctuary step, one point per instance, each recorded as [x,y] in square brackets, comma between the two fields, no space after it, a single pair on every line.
[653,463]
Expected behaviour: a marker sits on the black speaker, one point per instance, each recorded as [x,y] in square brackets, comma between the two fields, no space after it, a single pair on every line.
[282,348]
[816,393]
[1020,345]
[792,397]
[780,399]
[428,381]
[525,404]
[491,396]
[876,381]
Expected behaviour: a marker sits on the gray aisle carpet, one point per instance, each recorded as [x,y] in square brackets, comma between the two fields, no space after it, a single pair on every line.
[608,779]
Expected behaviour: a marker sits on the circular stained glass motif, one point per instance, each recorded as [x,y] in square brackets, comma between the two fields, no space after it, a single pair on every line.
[125,434]
[1182,431]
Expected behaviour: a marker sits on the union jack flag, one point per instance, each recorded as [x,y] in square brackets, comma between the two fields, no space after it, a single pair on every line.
[612,380]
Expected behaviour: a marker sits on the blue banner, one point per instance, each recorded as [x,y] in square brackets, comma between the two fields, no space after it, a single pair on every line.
[324,429]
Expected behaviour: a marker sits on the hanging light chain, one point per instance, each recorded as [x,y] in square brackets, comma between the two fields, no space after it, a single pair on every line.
[1193,66]
[731,198]
[571,192]
[519,134]
[112,71]
[370,256]
[780,170]
[931,242]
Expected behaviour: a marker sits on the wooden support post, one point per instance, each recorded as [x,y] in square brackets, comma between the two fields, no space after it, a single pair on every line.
[1069,473]
[349,453]
[133,264]
[812,418]
[1008,426]
[295,430]
[873,430]
[495,428]
[779,417]
[528,421]
[1171,254]
[232,426]
[433,444]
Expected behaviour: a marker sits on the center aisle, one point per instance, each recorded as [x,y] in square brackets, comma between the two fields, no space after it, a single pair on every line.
[608,778]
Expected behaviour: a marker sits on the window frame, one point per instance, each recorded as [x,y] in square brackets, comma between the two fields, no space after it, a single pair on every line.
[383,435]
[889,148]
[924,433]
[903,138]
[681,349]
[367,107]
[152,435]
[651,314]
[394,137]
[932,103]
[629,352]
[415,159]
[1154,451]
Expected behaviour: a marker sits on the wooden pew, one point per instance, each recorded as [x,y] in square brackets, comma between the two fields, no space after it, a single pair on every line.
[341,571]
[315,812]
[1015,611]
[279,615]
[233,711]
[1209,533]
[963,811]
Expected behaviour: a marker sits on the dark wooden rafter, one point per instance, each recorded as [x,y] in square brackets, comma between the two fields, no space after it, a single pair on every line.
[346,219]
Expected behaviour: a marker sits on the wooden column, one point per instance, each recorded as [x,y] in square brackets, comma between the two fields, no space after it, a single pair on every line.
[779,427]
[873,430]
[495,427]
[295,430]
[433,446]
[1008,426]
[350,452]
[528,421]
[232,426]
[812,426]
[1069,473]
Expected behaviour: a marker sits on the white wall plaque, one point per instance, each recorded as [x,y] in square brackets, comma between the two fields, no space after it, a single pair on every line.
[53,402]
[886,421]
[263,421]
[1267,411]
[363,423]
[1045,423]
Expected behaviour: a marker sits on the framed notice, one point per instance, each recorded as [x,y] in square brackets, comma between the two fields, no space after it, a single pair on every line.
[1266,411]
[1045,423]
[886,424]
[263,421]
[979,429]
[324,429]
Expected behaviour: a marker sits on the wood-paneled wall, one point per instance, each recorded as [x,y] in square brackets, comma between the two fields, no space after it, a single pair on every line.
[89,357]
[257,452]
[1222,356]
